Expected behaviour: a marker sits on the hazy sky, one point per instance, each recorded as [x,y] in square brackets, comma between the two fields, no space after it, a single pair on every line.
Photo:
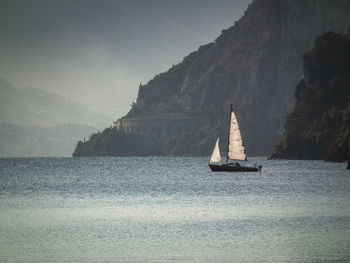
[97,52]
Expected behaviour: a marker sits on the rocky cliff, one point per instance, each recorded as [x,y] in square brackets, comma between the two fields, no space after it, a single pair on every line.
[319,125]
[255,65]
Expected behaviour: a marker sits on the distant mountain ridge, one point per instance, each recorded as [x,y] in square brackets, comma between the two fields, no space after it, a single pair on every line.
[254,65]
[31,106]
[35,123]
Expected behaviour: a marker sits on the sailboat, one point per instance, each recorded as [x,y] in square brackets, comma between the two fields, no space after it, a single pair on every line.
[235,152]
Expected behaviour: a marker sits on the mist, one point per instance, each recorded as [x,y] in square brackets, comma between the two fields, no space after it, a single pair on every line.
[98,52]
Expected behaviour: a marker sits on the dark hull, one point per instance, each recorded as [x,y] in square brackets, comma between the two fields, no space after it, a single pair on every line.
[231,168]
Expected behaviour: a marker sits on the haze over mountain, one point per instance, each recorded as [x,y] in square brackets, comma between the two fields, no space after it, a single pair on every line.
[31,106]
[37,123]
[97,52]
[41,141]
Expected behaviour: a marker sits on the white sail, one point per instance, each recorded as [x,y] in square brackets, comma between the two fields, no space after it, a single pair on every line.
[235,146]
[215,156]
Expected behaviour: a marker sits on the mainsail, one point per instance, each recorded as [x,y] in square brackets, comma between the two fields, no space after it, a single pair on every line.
[215,156]
[235,143]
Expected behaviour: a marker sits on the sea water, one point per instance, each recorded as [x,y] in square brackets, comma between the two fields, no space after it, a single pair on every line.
[165,209]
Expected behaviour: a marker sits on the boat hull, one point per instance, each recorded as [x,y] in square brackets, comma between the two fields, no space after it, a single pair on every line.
[232,168]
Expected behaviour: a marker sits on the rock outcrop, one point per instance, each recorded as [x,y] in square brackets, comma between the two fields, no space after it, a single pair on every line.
[319,125]
[254,65]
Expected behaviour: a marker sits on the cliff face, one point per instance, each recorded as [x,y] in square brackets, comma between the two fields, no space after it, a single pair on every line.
[253,65]
[319,125]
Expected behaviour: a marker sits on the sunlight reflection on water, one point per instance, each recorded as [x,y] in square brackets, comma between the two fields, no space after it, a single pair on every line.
[172,209]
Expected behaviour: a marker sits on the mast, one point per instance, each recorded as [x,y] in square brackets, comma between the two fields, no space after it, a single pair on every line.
[228,135]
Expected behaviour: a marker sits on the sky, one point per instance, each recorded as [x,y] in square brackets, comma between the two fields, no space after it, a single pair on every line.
[97,52]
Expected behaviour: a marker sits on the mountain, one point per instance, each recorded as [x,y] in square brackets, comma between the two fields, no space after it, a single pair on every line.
[319,125]
[254,65]
[37,123]
[31,106]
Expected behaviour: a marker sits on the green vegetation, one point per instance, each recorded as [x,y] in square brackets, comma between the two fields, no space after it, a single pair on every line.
[319,125]
[112,142]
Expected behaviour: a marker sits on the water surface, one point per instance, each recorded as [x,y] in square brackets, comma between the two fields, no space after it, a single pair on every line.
[168,209]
